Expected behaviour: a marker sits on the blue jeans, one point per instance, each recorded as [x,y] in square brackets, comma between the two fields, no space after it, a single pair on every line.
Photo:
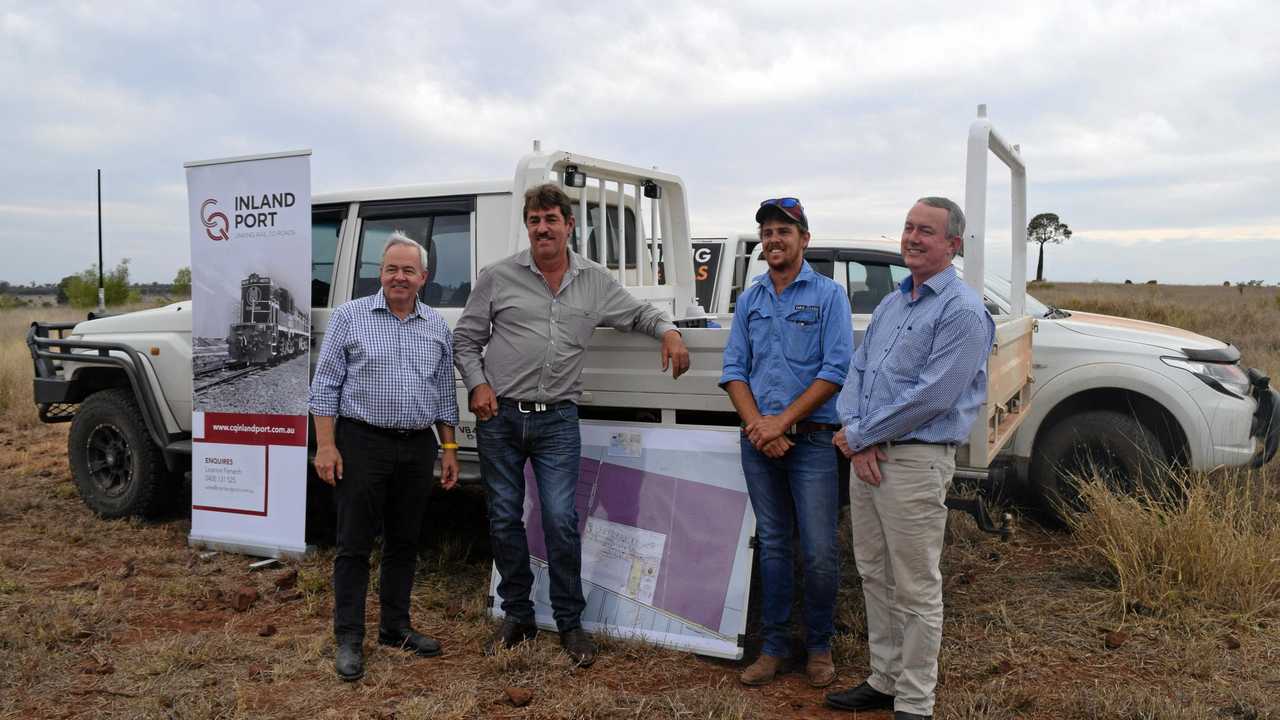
[799,490]
[551,441]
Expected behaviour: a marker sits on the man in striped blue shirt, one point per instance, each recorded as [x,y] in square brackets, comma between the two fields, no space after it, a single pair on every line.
[383,378]
[913,390]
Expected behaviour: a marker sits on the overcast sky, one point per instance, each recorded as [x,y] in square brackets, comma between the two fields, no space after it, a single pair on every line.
[1152,129]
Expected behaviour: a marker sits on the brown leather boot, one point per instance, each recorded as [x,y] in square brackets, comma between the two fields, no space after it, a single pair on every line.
[820,669]
[762,671]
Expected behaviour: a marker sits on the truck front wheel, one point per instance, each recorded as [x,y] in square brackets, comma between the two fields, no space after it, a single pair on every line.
[1111,446]
[117,468]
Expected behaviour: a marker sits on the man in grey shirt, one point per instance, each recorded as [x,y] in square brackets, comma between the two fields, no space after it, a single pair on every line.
[535,312]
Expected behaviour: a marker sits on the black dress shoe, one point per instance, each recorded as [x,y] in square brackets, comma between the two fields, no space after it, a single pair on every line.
[348,660]
[904,715]
[578,647]
[416,643]
[509,634]
[863,697]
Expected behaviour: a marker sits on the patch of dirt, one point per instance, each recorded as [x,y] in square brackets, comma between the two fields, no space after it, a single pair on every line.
[122,619]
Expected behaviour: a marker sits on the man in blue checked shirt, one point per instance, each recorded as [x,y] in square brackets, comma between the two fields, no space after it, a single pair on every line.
[383,378]
[786,358]
[913,391]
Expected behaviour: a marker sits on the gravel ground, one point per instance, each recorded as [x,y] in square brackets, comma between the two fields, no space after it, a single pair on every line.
[281,390]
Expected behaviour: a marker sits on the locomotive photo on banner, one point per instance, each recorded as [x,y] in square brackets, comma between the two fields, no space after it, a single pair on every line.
[250,337]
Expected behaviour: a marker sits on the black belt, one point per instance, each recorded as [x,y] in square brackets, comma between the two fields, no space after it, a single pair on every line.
[533,406]
[392,432]
[916,441]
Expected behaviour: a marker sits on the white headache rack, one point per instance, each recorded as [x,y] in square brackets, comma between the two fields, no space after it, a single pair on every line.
[1009,367]
[612,203]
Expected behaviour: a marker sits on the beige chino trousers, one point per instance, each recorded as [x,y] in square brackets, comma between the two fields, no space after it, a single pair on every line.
[898,529]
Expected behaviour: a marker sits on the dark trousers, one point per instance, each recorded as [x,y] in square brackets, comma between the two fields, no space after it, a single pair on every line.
[383,490]
[550,441]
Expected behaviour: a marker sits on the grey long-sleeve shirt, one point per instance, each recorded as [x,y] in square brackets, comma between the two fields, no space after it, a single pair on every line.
[537,341]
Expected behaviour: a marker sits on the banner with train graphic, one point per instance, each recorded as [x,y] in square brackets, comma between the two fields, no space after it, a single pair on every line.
[250,334]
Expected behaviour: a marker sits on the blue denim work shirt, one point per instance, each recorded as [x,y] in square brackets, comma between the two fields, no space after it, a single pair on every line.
[921,370]
[780,344]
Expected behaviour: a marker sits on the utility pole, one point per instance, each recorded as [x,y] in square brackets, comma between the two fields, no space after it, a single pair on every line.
[102,291]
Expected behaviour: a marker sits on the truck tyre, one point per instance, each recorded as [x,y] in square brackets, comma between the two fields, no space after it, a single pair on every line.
[117,468]
[1114,445]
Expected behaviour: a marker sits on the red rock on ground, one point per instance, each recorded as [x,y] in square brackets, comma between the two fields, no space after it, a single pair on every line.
[519,696]
[244,598]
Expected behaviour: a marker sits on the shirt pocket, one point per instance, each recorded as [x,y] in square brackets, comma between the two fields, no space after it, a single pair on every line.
[577,324]
[910,353]
[425,357]
[802,335]
[353,351]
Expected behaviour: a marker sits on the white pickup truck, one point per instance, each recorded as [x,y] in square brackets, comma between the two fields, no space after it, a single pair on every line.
[125,382]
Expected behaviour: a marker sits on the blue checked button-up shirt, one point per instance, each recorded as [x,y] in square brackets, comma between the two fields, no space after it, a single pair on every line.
[385,371]
[921,370]
[779,344]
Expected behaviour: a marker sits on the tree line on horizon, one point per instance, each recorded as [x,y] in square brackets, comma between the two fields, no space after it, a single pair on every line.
[81,289]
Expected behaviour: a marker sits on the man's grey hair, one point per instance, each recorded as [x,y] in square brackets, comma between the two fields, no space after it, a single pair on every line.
[955,216]
[398,237]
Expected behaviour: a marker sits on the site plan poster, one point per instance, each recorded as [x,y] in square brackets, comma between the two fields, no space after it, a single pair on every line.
[250,337]
[666,527]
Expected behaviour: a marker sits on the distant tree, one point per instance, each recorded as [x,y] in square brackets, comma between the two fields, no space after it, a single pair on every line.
[82,289]
[182,282]
[1046,228]
[63,286]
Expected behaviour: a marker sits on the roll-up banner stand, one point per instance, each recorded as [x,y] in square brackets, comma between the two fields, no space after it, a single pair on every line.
[250,337]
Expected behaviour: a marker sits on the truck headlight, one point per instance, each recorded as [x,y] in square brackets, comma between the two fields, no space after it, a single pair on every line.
[1226,378]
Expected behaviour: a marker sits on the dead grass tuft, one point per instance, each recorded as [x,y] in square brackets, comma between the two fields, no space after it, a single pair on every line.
[1215,552]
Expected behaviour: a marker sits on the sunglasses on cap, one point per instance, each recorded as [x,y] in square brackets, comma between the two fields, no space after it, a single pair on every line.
[788,206]
[785,203]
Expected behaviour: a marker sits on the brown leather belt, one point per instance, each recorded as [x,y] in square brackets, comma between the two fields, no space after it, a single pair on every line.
[804,426]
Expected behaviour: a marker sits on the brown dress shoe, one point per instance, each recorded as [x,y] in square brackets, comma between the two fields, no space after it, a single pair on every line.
[820,669]
[762,671]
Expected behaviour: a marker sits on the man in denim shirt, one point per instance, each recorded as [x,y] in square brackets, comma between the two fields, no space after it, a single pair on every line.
[786,358]
[914,389]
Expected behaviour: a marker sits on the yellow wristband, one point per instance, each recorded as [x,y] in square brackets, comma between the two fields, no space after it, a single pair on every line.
[449,446]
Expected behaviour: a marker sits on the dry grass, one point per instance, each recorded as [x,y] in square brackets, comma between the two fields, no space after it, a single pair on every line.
[1213,553]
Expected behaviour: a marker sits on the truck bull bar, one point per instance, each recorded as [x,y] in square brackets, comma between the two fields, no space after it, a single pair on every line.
[56,396]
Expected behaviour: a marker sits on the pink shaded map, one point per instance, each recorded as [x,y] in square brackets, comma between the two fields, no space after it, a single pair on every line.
[702,524]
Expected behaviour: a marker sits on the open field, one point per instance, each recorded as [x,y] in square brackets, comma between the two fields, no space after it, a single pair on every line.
[1144,613]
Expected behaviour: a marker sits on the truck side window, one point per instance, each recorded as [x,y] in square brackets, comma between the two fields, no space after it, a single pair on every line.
[326,226]
[868,283]
[447,238]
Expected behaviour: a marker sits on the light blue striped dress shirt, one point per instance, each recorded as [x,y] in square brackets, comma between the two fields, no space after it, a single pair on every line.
[921,370]
[379,369]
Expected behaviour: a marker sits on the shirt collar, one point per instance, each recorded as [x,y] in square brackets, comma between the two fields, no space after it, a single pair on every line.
[525,258]
[380,303]
[935,284]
